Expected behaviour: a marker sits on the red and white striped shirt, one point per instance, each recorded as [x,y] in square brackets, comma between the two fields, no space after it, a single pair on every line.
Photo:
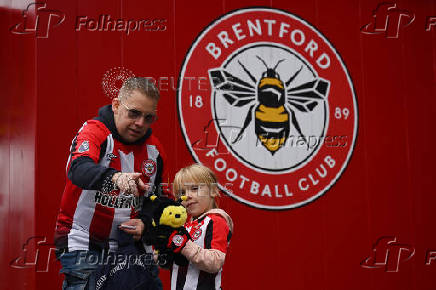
[89,215]
[211,234]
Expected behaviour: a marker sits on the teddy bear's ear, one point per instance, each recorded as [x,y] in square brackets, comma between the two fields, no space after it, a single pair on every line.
[153,197]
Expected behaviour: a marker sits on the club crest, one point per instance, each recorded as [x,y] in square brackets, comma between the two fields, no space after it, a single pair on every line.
[84,146]
[148,167]
[278,119]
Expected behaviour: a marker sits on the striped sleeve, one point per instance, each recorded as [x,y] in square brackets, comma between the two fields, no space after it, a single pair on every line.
[89,139]
[210,258]
[84,170]
[217,234]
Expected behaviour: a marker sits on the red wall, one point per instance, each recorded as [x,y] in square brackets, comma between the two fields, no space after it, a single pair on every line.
[52,85]
[18,150]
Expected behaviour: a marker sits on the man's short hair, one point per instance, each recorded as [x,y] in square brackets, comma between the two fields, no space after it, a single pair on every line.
[144,85]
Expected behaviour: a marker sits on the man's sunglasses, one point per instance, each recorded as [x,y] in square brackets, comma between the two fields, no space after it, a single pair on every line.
[135,114]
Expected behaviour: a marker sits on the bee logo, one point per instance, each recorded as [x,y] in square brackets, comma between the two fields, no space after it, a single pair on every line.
[274,101]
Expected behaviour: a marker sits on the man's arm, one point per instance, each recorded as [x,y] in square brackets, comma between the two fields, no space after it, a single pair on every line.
[86,174]
[84,169]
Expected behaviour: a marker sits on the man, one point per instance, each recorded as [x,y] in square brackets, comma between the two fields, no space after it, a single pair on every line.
[113,158]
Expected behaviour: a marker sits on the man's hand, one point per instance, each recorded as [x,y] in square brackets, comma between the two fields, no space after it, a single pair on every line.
[129,183]
[135,227]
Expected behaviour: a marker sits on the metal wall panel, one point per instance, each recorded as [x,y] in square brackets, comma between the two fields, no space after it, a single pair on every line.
[52,82]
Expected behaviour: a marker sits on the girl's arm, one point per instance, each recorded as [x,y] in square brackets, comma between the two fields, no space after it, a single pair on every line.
[216,238]
[209,260]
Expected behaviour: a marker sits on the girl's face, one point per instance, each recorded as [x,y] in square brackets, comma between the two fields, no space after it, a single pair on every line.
[200,198]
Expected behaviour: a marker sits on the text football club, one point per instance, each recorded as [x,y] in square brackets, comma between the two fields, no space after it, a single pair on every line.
[278,119]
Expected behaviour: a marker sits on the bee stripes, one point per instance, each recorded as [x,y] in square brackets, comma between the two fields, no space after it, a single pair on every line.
[270,96]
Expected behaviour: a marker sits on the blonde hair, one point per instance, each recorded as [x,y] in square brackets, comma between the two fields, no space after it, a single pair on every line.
[198,174]
[144,85]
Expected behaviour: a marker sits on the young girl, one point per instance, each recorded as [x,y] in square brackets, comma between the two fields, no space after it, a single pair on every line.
[209,228]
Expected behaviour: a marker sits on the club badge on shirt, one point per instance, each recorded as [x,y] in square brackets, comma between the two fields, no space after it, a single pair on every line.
[148,167]
[84,147]
[196,234]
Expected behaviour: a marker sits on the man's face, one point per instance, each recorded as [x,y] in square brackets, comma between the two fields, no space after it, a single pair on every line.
[130,114]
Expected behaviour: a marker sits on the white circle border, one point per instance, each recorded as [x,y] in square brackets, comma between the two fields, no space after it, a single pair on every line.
[188,141]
